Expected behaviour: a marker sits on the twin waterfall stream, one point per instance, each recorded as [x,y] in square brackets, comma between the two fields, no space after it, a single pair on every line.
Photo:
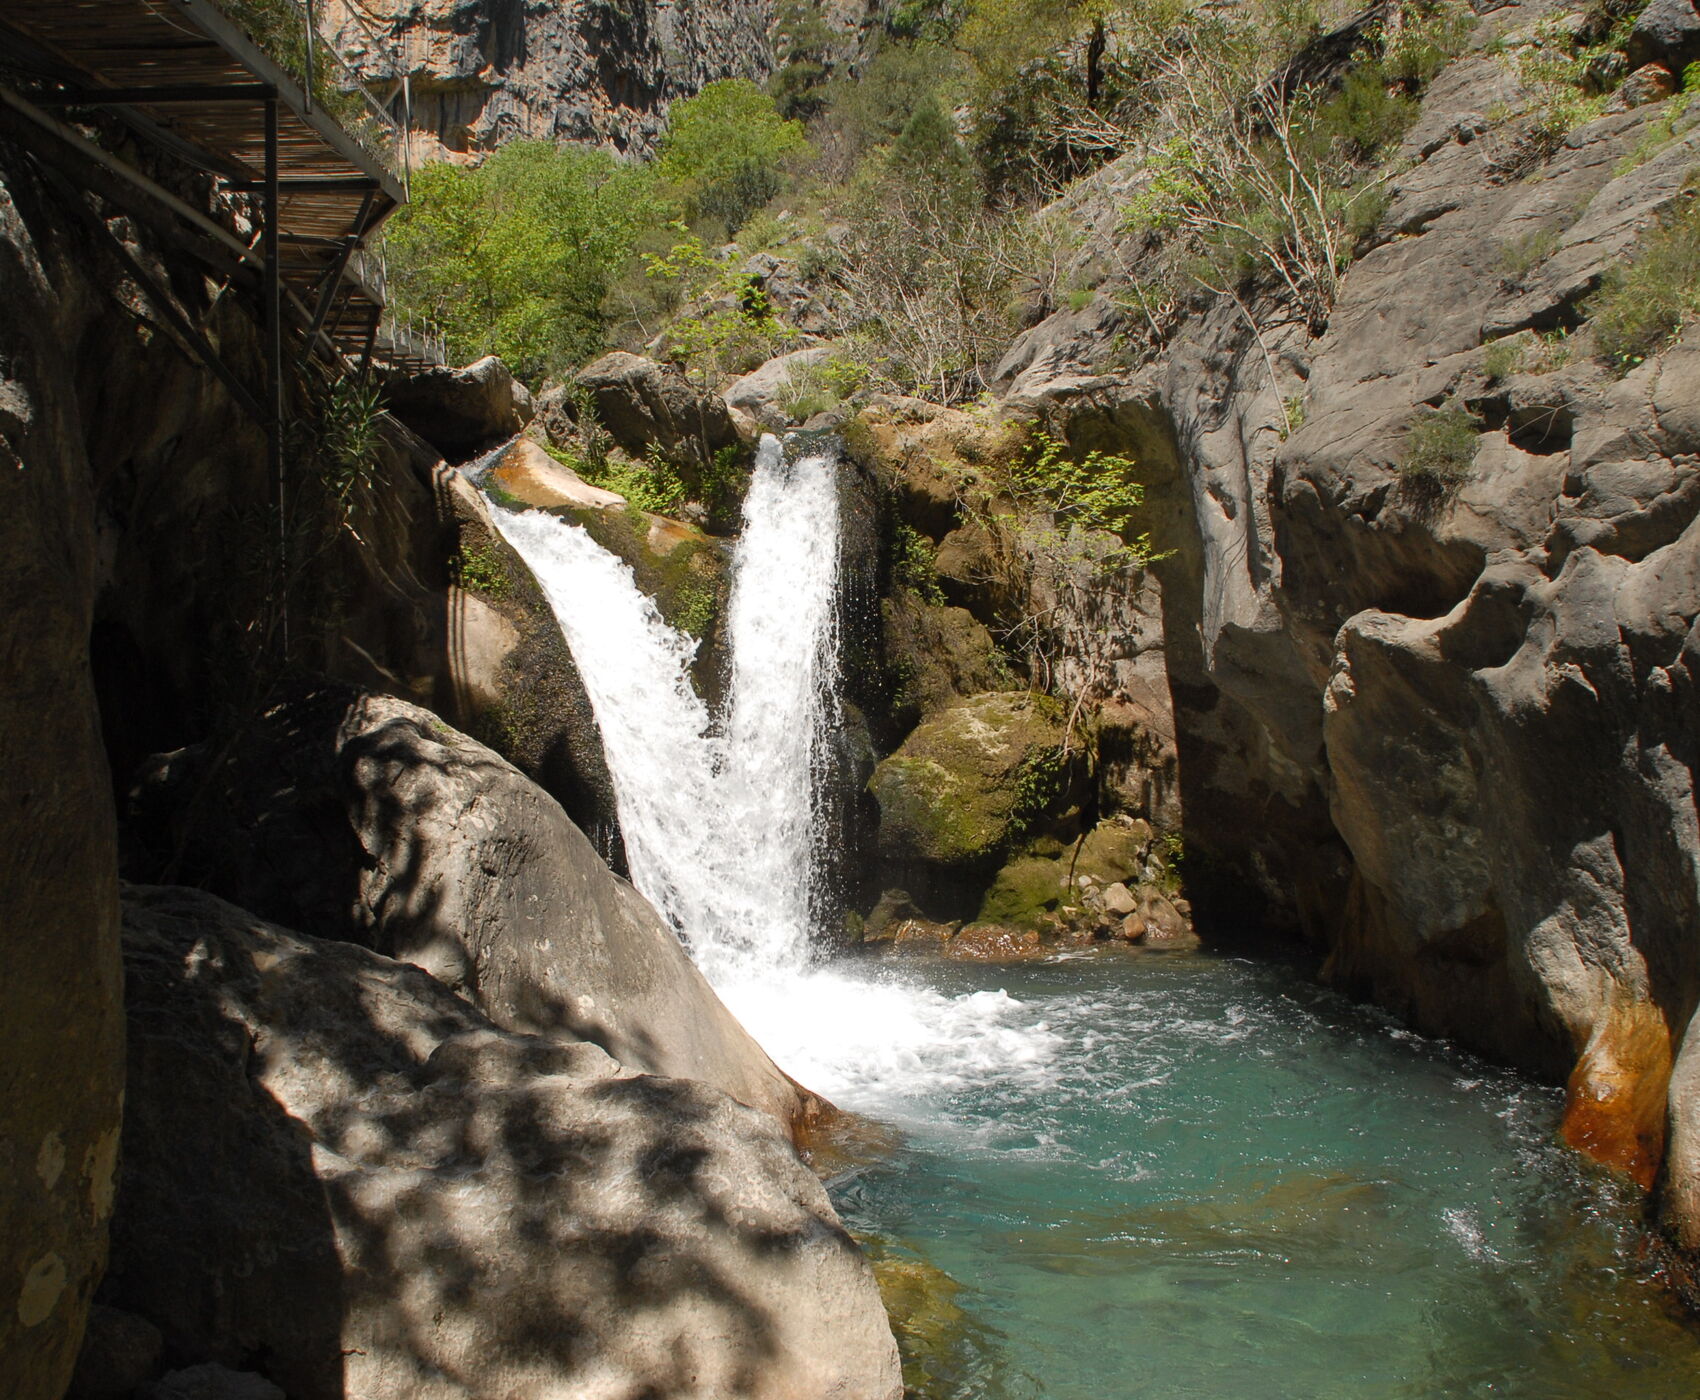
[1120,1174]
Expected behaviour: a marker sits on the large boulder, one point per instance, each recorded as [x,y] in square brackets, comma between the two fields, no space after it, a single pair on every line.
[964,784]
[61,1015]
[340,1174]
[461,411]
[1667,32]
[367,818]
[652,407]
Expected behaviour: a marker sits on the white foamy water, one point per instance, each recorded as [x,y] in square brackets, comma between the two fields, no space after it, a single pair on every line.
[720,814]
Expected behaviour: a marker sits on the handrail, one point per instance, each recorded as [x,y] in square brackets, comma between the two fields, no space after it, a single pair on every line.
[288,32]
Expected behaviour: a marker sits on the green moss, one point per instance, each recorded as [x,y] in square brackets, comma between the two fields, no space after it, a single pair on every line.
[1025,890]
[971,779]
[929,812]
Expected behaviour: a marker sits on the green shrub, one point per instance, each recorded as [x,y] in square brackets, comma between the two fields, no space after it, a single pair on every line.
[1504,358]
[1440,447]
[348,437]
[1642,303]
[914,564]
[727,148]
[656,487]
[481,570]
[515,257]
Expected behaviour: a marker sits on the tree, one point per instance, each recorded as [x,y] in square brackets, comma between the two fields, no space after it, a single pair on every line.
[726,150]
[515,257]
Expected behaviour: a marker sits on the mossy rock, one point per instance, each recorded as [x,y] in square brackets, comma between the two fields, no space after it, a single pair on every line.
[971,779]
[936,655]
[1025,890]
[1035,882]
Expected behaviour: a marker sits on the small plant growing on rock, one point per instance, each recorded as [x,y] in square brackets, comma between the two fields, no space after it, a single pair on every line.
[1642,303]
[1441,448]
[480,570]
[1292,415]
[1503,358]
[914,564]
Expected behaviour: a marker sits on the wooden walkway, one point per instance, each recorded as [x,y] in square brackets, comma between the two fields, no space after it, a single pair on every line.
[284,121]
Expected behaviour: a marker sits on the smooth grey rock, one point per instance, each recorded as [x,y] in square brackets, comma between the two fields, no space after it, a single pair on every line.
[649,406]
[461,411]
[336,1165]
[757,393]
[474,873]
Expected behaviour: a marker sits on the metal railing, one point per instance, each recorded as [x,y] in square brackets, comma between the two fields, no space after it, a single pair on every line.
[402,336]
[289,33]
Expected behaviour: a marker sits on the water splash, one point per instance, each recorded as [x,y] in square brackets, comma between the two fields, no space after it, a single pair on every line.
[720,814]
[718,818]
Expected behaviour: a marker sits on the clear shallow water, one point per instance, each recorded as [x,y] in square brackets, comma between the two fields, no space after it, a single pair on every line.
[1200,1177]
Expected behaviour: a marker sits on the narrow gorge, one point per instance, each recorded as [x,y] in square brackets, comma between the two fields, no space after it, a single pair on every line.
[784,700]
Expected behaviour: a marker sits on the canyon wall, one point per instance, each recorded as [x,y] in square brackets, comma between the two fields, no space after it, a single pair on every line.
[597,72]
[1447,731]
[169,630]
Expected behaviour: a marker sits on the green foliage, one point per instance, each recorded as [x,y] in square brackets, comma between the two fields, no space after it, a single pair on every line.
[515,257]
[656,487]
[1246,179]
[1040,783]
[727,148]
[1292,415]
[1094,492]
[1441,447]
[721,484]
[821,387]
[870,108]
[481,570]
[914,564]
[1642,303]
[1558,68]
[938,280]
[802,41]
[1503,358]
[349,437]
[693,606]
[729,326]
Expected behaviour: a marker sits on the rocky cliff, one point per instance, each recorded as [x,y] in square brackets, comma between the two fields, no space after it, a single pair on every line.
[1447,730]
[598,72]
[169,627]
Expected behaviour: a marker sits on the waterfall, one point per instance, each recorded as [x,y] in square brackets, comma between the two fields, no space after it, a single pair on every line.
[717,811]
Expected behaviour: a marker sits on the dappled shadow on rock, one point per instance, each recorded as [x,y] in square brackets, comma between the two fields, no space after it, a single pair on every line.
[341,1175]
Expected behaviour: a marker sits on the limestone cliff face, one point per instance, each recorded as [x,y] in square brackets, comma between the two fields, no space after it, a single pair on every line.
[600,72]
[1450,734]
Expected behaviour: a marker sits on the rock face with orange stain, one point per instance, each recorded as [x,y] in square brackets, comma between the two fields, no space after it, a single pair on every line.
[534,478]
[1450,731]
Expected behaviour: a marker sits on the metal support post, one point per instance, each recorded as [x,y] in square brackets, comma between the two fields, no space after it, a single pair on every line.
[273,332]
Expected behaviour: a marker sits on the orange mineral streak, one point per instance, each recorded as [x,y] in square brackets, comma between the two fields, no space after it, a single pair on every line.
[1615,1102]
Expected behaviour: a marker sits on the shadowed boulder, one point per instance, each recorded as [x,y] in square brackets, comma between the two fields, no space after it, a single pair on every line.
[343,1176]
